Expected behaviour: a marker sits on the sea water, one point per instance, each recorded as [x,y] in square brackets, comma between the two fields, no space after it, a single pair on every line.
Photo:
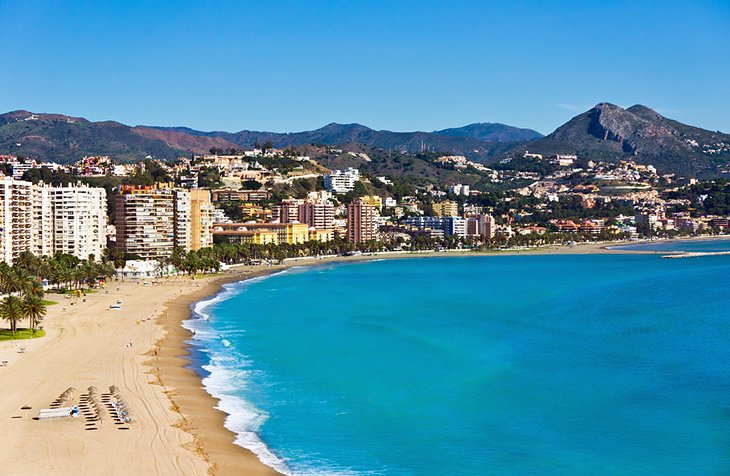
[569,365]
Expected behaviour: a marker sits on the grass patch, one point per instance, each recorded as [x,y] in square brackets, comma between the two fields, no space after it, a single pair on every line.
[21,334]
[206,275]
[48,302]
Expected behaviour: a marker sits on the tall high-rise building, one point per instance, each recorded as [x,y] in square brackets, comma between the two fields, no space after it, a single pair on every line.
[201,219]
[487,227]
[16,214]
[182,219]
[472,226]
[42,224]
[79,220]
[145,221]
[319,215]
[151,221]
[44,219]
[361,222]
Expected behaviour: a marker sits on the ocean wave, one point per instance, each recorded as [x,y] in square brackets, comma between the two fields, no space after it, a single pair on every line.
[229,372]
[243,419]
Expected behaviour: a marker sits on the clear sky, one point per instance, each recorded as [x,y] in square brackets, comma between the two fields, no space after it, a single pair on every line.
[398,65]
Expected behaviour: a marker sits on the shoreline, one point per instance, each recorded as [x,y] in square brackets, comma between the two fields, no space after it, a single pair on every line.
[198,411]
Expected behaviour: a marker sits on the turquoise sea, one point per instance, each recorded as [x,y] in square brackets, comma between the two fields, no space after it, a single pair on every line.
[504,365]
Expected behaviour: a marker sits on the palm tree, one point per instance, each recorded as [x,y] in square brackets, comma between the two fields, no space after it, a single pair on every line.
[13,280]
[34,309]
[33,287]
[11,309]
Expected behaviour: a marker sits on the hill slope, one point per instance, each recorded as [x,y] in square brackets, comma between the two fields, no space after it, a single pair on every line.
[65,139]
[609,132]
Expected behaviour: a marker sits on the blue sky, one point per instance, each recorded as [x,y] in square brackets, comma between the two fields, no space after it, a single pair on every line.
[400,65]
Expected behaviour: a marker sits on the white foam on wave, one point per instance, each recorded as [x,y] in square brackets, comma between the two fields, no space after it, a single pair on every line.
[226,376]
[229,372]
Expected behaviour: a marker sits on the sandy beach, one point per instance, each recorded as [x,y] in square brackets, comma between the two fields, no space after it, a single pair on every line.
[176,428]
[88,345]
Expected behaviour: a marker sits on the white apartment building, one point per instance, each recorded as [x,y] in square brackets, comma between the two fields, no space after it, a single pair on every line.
[183,227]
[44,220]
[455,226]
[79,220]
[21,168]
[341,181]
[16,215]
[459,189]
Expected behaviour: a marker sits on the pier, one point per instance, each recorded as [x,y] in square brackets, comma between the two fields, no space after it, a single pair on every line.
[691,254]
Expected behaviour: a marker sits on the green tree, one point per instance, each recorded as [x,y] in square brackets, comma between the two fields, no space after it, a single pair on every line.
[34,310]
[11,310]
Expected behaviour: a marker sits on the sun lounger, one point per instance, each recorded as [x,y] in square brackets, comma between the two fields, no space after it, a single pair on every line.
[53,413]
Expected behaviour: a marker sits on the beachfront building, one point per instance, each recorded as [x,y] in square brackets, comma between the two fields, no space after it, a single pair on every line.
[439,226]
[151,221]
[455,226]
[42,223]
[361,222]
[79,219]
[425,223]
[44,219]
[16,215]
[487,226]
[262,233]
[321,235]
[201,219]
[318,214]
[472,226]
[182,228]
[145,221]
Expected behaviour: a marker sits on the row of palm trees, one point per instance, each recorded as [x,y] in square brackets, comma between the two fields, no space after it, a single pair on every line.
[23,283]
[64,271]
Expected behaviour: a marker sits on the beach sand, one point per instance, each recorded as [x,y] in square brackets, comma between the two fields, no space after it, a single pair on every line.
[87,344]
[176,428]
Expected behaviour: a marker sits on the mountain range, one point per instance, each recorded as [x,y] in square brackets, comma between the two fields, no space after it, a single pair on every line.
[65,139]
[605,132]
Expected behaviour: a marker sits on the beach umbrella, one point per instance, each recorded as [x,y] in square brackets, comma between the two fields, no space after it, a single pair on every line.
[25,409]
